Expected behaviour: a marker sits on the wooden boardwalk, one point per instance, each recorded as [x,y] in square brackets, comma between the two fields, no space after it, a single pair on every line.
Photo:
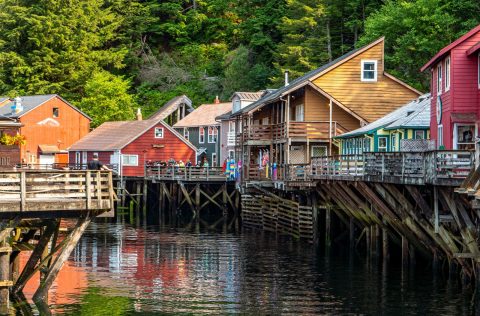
[186,174]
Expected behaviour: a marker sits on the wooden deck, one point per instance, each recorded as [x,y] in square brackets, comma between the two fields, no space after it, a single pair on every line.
[27,191]
[186,174]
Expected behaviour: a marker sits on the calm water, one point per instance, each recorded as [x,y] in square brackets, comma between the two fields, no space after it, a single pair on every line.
[120,270]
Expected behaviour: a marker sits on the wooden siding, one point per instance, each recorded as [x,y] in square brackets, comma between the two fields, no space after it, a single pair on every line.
[103,156]
[317,109]
[370,100]
[72,126]
[211,147]
[147,147]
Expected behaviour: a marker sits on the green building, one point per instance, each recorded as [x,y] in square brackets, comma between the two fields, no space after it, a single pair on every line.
[389,133]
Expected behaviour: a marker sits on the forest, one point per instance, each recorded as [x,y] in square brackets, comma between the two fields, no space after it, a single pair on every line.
[109,57]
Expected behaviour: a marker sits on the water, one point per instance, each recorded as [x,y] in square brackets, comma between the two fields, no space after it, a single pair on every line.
[120,270]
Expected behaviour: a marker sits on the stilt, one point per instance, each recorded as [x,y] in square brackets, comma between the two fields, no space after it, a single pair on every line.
[145,198]
[368,241]
[405,252]
[197,207]
[65,252]
[160,204]
[351,230]
[385,253]
[328,241]
[5,282]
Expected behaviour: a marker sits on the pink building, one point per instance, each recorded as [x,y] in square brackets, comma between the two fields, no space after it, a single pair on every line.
[455,89]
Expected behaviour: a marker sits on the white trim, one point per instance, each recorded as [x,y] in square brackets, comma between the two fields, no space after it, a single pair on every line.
[455,134]
[386,143]
[214,134]
[375,70]
[214,161]
[129,164]
[439,78]
[447,73]
[440,135]
[200,141]
[159,129]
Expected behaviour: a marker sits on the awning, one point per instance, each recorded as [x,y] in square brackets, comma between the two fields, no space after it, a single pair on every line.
[463,117]
[49,149]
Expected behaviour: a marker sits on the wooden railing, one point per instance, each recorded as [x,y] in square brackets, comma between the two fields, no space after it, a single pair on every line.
[42,190]
[257,132]
[433,167]
[193,173]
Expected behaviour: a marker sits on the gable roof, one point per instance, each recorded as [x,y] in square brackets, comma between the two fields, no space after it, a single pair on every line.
[205,115]
[305,79]
[29,103]
[112,136]
[415,114]
[449,47]
[248,96]
[171,106]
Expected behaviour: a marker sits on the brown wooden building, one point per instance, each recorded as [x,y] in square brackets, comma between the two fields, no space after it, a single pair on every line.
[298,121]
[50,125]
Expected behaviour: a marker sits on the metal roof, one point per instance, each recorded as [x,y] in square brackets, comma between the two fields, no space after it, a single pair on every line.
[205,115]
[248,96]
[415,114]
[171,106]
[29,103]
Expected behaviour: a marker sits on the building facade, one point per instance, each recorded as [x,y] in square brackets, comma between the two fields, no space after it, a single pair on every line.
[455,89]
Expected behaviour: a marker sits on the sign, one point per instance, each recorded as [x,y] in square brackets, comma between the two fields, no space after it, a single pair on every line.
[439,110]
[201,150]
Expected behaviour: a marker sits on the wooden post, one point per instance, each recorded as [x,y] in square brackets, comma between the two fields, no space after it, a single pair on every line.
[315,219]
[145,198]
[385,253]
[23,190]
[405,252]
[328,219]
[5,282]
[351,230]
[65,252]
[88,192]
[435,208]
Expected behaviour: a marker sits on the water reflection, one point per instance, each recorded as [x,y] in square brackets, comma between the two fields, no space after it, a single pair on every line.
[119,270]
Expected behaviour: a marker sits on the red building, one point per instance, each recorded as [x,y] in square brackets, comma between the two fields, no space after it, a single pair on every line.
[455,89]
[129,144]
[49,124]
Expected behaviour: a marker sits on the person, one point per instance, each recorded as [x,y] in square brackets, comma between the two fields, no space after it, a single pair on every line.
[96,164]
[189,163]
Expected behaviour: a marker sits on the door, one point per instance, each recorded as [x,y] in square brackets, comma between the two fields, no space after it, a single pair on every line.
[46,161]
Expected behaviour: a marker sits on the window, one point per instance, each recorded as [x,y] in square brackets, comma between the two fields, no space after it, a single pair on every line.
[201,135]
[84,157]
[236,106]
[186,133]
[231,154]
[366,145]
[419,134]
[214,159]
[394,142]
[265,121]
[382,144]
[231,127]
[130,160]
[464,136]
[369,70]
[158,132]
[447,74]
[77,157]
[212,134]
[439,79]
[479,70]
[440,136]
[55,112]
[299,113]
[319,151]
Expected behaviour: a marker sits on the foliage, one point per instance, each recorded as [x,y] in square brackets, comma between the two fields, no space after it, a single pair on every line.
[10,140]
[416,30]
[107,98]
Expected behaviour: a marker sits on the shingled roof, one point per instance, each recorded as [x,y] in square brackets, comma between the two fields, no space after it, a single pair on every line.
[29,103]
[112,136]
[205,115]
[171,106]
[415,114]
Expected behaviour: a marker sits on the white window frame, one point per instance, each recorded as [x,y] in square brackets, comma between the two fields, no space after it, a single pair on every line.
[78,157]
[213,136]
[393,141]
[300,113]
[478,66]
[201,135]
[236,106]
[130,164]
[84,157]
[186,133]
[439,78]
[265,121]
[455,134]
[231,126]
[447,73]
[418,131]
[157,129]
[214,159]
[375,70]
[439,135]
[383,147]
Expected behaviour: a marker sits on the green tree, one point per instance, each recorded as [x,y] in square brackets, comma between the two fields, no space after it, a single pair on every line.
[416,30]
[107,98]
[53,46]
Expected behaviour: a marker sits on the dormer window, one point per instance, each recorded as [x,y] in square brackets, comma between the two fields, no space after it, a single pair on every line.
[369,70]
[439,79]
[236,106]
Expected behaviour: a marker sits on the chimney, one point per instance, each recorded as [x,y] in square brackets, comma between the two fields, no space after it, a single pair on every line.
[17,105]
[139,114]
[217,100]
[286,77]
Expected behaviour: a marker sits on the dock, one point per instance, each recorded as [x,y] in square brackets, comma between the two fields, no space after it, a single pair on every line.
[32,205]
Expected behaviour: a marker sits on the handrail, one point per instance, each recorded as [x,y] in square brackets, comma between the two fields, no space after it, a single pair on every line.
[190,173]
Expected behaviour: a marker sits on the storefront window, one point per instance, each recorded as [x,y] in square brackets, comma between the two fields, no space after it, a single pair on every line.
[465,137]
